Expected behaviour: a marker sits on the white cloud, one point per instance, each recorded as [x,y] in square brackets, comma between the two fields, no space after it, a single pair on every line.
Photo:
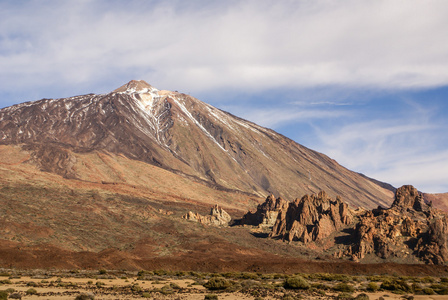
[276,117]
[399,150]
[235,44]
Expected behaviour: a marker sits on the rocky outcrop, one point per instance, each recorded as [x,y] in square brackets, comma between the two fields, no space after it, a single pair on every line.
[312,218]
[409,221]
[217,217]
[408,232]
[433,247]
[382,232]
[266,213]
[408,197]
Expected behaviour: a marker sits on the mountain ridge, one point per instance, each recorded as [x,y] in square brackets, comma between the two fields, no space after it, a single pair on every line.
[181,133]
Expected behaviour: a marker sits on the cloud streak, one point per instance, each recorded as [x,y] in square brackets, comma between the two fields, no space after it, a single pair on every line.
[401,149]
[237,44]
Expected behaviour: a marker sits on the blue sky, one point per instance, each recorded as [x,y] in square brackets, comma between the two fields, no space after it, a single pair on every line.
[365,82]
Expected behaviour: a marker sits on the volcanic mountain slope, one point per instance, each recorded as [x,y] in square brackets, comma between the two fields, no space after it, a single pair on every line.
[439,200]
[181,134]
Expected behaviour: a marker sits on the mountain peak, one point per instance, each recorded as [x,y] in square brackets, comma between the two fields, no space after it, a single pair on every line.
[135,86]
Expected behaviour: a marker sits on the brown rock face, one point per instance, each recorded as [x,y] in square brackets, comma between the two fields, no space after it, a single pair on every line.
[433,248]
[312,218]
[217,217]
[408,231]
[408,226]
[408,197]
[266,213]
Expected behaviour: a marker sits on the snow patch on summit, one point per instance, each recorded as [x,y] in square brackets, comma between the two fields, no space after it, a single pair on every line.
[136,87]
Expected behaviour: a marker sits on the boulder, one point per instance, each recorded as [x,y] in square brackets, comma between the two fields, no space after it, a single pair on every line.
[217,217]
[266,213]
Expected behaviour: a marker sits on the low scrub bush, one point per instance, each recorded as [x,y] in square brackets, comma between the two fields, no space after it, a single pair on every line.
[85,296]
[372,287]
[99,283]
[345,296]
[417,288]
[217,283]
[396,286]
[428,291]
[250,284]
[175,286]
[296,282]
[440,289]
[167,290]
[247,275]
[31,292]
[344,287]
[320,286]
[160,272]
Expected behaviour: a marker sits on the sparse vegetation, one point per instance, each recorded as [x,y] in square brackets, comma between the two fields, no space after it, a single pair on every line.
[245,284]
[396,286]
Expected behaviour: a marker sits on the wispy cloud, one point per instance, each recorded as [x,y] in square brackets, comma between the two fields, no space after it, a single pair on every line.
[206,45]
[276,117]
[402,149]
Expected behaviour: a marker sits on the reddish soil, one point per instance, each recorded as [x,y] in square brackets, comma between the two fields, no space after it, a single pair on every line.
[206,258]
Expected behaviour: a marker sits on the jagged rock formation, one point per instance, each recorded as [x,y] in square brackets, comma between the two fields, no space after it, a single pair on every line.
[408,226]
[409,231]
[433,247]
[407,197]
[181,134]
[217,217]
[312,218]
[266,213]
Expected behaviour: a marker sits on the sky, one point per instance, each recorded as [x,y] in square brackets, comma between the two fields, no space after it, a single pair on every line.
[364,82]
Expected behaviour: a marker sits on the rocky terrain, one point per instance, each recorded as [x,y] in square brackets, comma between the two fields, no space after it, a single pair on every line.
[217,217]
[409,231]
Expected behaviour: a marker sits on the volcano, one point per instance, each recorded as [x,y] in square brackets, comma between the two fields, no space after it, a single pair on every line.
[183,135]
